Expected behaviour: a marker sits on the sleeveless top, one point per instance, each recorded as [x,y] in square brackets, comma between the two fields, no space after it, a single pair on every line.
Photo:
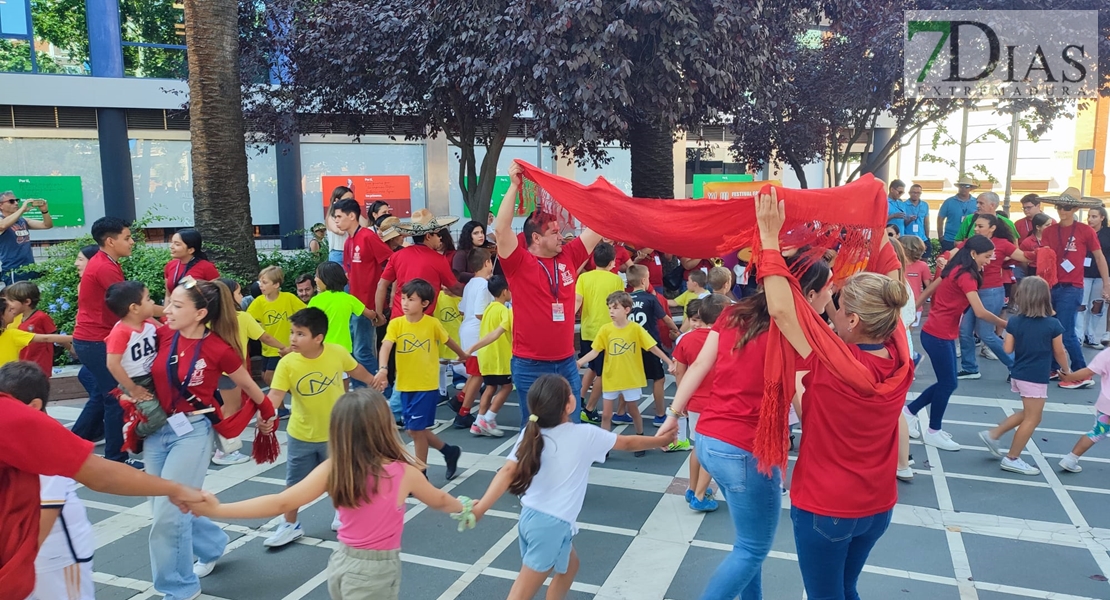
[376,525]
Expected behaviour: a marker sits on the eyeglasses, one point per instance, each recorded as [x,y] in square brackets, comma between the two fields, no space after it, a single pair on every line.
[12,201]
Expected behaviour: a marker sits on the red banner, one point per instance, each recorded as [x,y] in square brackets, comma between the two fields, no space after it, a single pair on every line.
[368,189]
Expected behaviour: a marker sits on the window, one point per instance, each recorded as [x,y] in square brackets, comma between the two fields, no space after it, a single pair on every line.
[153,38]
[58,31]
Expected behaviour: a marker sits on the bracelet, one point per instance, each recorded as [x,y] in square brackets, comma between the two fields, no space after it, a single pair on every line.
[465,518]
[671,413]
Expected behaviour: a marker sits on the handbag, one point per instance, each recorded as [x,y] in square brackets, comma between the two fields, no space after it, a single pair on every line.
[674,278]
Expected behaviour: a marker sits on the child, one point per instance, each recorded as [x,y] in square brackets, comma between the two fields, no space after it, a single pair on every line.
[917,270]
[695,288]
[312,373]
[339,306]
[132,345]
[1099,366]
[648,312]
[13,340]
[623,341]
[495,352]
[590,292]
[447,312]
[34,320]
[476,297]
[272,310]
[1034,335]
[418,338]
[549,469]
[369,476]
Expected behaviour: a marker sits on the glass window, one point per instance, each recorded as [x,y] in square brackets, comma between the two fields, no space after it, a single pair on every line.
[61,37]
[153,39]
[15,56]
[13,17]
[40,156]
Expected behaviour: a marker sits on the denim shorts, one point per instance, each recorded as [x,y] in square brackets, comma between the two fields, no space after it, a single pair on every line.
[419,409]
[301,458]
[269,363]
[545,541]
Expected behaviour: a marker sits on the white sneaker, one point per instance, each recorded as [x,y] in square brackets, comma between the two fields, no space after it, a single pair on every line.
[1070,464]
[939,439]
[992,444]
[905,474]
[988,354]
[958,351]
[1016,465]
[235,458]
[913,425]
[284,534]
[335,523]
[489,428]
[203,569]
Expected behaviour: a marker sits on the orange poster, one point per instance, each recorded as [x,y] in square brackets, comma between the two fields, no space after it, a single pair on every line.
[368,189]
[725,190]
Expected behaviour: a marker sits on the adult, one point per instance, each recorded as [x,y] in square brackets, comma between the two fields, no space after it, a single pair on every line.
[187,257]
[986,204]
[895,206]
[542,278]
[473,236]
[1090,324]
[653,260]
[306,286]
[336,237]
[953,211]
[85,376]
[917,217]
[101,415]
[1031,206]
[15,235]
[319,234]
[377,211]
[732,359]
[364,257]
[1073,242]
[198,343]
[447,245]
[421,260]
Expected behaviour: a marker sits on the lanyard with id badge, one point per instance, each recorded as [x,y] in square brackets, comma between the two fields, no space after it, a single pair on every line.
[558,313]
[180,388]
[1067,265]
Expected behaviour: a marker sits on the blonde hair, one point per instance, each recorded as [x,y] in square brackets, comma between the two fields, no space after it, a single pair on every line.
[637,275]
[273,273]
[877,300]
[719,279]
[914,247]
[362,439]
[1033,298]
[900,252]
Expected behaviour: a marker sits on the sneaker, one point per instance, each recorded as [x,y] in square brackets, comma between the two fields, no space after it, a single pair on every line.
[284,534]
[203,569]
[590,416]
[940,439]
[659,420]
[640,453]
[1093,345]
[455,404]
[235,458]
[988,354]
[958,351]
[992,444]
[335,522]
[706,504]
[282,412]
[1077,385]
[134,462]
[913,424]
[401,424]
[488,428]
[451,456]
[1067,463]
[690,495]
[911,462]
[680,445]
[1053,376]
[463,421]
[475,430]
[1016,465]
[622,418]
[904,474]
[968,375]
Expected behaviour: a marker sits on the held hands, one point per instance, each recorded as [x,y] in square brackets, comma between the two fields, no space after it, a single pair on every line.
[671,367]
[185,497]
[466,518]
[267,426]
[284,351]
[669,427]
[381,379]
[206,507]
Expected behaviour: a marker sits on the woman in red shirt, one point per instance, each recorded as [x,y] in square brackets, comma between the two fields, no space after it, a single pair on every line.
[734,351]
[188,258]
[198,343]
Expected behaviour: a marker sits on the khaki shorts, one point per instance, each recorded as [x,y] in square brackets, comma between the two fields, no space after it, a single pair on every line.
[364,574]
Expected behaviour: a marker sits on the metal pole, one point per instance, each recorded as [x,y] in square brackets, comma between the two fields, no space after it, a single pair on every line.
[1012,163]
[963,143]
[539,154]
[1083,184]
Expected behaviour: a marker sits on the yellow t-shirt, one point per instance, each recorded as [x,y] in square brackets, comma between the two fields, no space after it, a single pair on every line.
[494,359]
[249,329]
[447,311]
[315,384]
[685,297]
[594,287]
[417,348]
[274,317]
[624,363]
[12,341]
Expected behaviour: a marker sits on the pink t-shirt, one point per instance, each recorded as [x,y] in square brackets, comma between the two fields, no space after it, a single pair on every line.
[376,525]
[1101,366]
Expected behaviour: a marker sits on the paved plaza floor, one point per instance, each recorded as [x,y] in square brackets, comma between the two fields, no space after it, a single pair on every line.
[963,529]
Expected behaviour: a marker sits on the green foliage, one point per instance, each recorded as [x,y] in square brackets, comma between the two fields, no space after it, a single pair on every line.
[294,263]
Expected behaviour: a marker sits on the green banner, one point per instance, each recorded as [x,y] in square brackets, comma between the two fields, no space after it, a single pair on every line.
[500,188]
[700,180]
[63,197]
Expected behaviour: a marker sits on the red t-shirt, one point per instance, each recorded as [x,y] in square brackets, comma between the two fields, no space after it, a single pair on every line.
[33,444]
[364,253]
[1030,244]
[850,442]
[665,340]
[94,320]
[536,335]
[419,262]
[622,257]
[733,416]
[704,265]
[1071,244]
[949,303]
[215,358]
[689,345]
[40,353]
[996,273]
[654,264]
[919,276]
[885,261]
[176,270]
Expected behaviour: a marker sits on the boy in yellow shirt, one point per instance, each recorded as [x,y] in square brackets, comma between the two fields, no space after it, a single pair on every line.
[495,352]
[695,288]
[417,338]
[13,339]
[623,342]
[272,309]
[313,374]
[590,295]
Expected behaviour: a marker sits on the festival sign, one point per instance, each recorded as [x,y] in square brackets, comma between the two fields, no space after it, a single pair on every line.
[725,190]
[63,196]
[368,189]
[701,180]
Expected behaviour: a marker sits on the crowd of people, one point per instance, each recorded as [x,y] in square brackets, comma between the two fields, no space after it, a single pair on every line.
[374,338]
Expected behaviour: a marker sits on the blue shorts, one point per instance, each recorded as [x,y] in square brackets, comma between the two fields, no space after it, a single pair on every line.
[269,363]
[302,458]
[545,541]
[419,409]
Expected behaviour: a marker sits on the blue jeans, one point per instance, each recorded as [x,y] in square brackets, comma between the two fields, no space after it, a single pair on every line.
[832,551]
[754,502]
[362,339]
[946,245]
[1066,299]
[526,371]
[101,415]
[335,256]
[993,300]
[175,538]
[942,353]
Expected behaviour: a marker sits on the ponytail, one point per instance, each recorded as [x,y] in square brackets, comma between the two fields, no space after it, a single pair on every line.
[221,317]
[547,402]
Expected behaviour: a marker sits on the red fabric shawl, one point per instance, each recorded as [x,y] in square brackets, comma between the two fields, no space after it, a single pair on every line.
[772,436]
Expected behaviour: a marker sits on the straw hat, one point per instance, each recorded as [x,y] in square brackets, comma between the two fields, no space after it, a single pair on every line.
[389,229]
[1072,197]
[967,180]
[424,222]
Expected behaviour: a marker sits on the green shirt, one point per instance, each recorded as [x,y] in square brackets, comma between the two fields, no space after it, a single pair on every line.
[339,307]
[967,227]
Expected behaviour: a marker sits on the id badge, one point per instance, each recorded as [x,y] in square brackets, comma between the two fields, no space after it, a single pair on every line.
[180,423]
[1067,266]
[558,315]
[658,261]
[1087,261]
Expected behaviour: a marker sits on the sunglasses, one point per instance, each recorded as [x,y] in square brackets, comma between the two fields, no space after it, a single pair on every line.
[12,201]
[189,282]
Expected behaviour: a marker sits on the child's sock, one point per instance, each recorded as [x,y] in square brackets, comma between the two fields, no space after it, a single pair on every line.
[682,424]
[906,411]
[491,416]
[1072,456]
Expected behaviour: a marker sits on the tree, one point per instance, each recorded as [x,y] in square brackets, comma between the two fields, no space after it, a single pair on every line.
[221,198]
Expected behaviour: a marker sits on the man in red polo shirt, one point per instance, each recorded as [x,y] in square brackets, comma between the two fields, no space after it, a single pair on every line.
[421,260]
[541,277]
[364,257]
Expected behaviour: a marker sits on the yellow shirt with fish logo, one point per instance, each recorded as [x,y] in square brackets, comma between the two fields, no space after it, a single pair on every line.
[416,346]
[624,362]
[447,311]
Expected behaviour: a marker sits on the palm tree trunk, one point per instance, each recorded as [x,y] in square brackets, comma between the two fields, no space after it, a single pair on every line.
[652,150]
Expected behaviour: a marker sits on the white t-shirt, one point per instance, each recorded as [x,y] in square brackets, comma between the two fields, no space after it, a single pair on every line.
[909,315]
[137,347]
[475,299]
[336,240]
[54,553]
[559,488]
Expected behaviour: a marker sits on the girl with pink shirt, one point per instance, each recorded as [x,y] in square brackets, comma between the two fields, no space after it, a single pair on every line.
[368,476]
[1099,366]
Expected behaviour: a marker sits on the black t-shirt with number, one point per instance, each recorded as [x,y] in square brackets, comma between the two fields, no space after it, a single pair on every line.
[646,311]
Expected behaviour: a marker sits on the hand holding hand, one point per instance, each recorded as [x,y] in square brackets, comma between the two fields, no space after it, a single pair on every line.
[267,426]
[380,381]
[207,506]
[185,497]
[668,428]
[671,368]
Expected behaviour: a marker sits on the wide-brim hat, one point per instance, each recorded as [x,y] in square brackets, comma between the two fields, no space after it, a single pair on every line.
[389,229]
[424,222]
[1072,197]
[967,180]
